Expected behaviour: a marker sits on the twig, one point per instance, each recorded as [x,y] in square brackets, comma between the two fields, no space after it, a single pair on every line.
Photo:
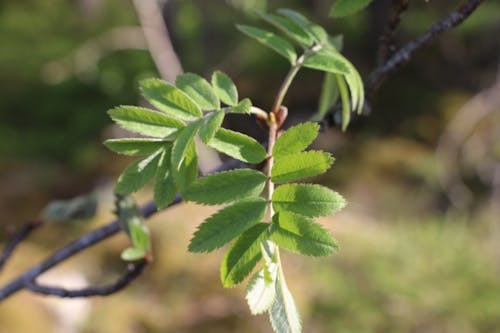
[386,41]
[15,240]
[132,272]
[405,53]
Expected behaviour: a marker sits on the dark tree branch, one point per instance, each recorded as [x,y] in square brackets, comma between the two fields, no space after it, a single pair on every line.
[16,239]
[132,272]
[386,41]
[405,53]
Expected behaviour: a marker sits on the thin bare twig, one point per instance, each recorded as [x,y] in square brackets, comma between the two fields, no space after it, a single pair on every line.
[16,239]
[386,41]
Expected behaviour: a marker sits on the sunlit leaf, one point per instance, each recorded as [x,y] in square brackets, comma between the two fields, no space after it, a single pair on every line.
[300,234]
[169,99]
[165,189]
[185,138]
[137,174]
[187,170]
[270,40]
[244,106]
[243,255]
[344,97]
[283,314]
[295,139]
[226,186]
[144,121]
[331,62]
[227,224]
[135,146]
[238,145]
[200,91]
[307,199]
[224,88]
[210,124]
[260,293]
[301,165]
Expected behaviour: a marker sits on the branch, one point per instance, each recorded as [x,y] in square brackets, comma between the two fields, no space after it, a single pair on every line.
[15,240]
[405,53]
[132,272]
[386,41]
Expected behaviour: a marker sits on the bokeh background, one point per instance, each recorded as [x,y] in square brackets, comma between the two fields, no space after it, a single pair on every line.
[420,238]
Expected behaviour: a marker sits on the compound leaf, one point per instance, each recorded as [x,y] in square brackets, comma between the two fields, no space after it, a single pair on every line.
[260,293]
[226,186]
[187,172]
[290,28]
[283,314]
[315,31]
[135,146]
[169,99]
[210,124]
[331,62]
[224,88]
[329,95]
[300,234]
[243,255]
[343,8]
[301,165]
[244,106]
[238,145]
[181,145]
[270,40]
[164,190]
[226,224]
[295,139]
[144,121]
[137,174]
[307,199]
[200,91]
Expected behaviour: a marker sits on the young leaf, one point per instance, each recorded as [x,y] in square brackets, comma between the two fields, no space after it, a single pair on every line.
[224,88]
[295,139]
[283,314]
[290,28]
[307,199]
[226,187]
[187,172]
[164,190]
[331,62]
[243,255]
[185,138]
[144,121]
[200,91]
[301,235]
[169,99]
[133,254]
[301,165]
[361,89]
[238,145]
[226,224]
[315,31]
[270,40]
[211,123]
[137,174]
[329,95]
[344,97]
[135,146]
[260,293]
[243,106]
[343,8]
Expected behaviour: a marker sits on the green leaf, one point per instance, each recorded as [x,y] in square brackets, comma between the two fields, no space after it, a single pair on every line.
[137,174]
[260,293]
[211,123]
[343,8]
[243,255]
[243,106]
[135,146]
[133,254]
[336,42]
[329,95]
[301,165]
[307,199]
[169,99]
[283,314]
[344,97]
[164,190]
[144,121]
[226,224]
[315,31]
[224,88]
[295,139]
[301,235]
[141,243]
[238,145]
[331,62]
[226,187]
[185,138]
[187,172]
[270,40]
[200,91]
[361,90]
[290,28]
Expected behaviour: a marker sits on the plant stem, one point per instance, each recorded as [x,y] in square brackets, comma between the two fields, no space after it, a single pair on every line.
[273,132]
